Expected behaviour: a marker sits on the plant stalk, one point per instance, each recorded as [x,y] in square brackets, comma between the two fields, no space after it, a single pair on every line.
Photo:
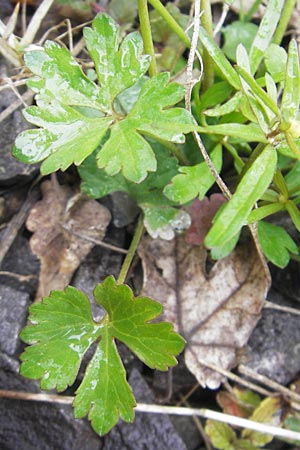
[286,13]
[208,62]
[131,251]
[145,28]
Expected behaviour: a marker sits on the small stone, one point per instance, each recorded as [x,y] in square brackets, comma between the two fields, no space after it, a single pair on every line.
[13,312]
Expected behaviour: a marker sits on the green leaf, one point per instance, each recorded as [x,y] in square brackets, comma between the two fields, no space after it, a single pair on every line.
[74,113]
[126,149]
[251,187]
[219,58]
[276,243]
[228,107]
[236,33]
[117,68]
[265,33]
[265,211]
[267,412]
[248,133]
[193,180]
[60,77]
[294,213]
[66,137]
[291,93]
[160,217]
[275,60]
[221,435]
[154,343]
[63,329]
[104,393]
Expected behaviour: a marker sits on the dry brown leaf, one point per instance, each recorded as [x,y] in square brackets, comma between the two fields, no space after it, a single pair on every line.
[216,313]
[56,222]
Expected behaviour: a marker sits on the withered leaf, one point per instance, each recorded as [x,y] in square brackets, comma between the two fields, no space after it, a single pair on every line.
[58,221]
[215,312]
[202,213]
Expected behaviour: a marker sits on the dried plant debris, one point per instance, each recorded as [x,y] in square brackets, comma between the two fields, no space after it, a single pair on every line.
[58,221]
[215,312]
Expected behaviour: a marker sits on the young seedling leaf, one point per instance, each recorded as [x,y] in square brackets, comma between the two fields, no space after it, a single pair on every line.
[66,137]
[127,149]
[61,332]
[63,329]
[74,113]
[193,181]
[248,133]
[265,33]
[104,393]
[276,243]
[154,343]
[219,58]
[251,187]
[160,216]
[58,75]
[291,93]
[117,68]
[236,33]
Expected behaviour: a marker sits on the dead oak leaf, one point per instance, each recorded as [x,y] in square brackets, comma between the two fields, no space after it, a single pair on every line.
[215,312]
[57,221]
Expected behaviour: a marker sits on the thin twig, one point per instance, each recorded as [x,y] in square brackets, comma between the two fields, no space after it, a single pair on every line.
[189,82]
[19,277]
[225,10]
[96,241]
[236,378]
[287,309]
[161,409]
[269,383]
[3,87]
[17,222]
[35,23]
[27,97]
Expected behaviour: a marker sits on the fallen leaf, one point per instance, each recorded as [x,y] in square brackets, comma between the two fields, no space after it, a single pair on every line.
[57,221]
[202,213]
[215,312]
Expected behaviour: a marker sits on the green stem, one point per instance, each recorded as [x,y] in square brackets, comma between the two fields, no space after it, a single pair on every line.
[147,35]
[131,251]
[284,20]
[247,17]
[208,62]
[171,22]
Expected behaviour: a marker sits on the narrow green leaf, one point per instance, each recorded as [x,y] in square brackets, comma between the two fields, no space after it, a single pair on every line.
[265,32]
[251,187]
[219,58]
[215,95]
[228,107]
[258,91]
[248,133]
[193,181]
[104,393]
[276,243]
[291,93]
[154,343]
[61,332]
[264,211]
[294,213]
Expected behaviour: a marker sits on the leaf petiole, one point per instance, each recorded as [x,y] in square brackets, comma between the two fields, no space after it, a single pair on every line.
[131,251]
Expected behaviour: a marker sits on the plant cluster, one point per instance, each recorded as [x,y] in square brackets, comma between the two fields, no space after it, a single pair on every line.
[126,131]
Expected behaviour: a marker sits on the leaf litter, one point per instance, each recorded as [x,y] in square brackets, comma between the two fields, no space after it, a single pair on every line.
[216,312]
[56,221]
